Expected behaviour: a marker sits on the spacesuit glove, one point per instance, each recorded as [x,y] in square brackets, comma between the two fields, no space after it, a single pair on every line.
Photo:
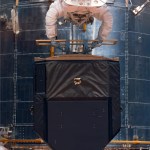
[97,43]
[53,42]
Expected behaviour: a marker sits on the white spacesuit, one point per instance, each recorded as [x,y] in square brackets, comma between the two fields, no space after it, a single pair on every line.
[79,12]
[2,147]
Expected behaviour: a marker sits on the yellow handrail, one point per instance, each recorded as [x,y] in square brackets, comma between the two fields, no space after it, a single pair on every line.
[4,140]
[129,142]
[47,41]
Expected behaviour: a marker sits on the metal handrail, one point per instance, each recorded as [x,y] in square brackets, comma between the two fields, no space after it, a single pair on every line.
[47,42]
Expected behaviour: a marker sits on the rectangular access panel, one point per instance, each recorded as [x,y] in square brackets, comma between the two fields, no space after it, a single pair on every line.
[79,124]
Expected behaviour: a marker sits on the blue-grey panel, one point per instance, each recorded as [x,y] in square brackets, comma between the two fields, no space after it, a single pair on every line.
[6,89]
[25,65]
[139,91]
[112,50]
[137,2]
[121,135]
[6,65]
[27,42]
[143,134]
[130,132]
[119,48]
[120,1]
[32,17]
[135,22]
[23,114]
[122,89]
[32,35]
[138,114]
[147,8]
[5,1]
[122,66]
[139,23]
[6,113]
[25,132]
[118,20]
[139,67]
[7,42]
[44,55]
[139,44]
[146,23]
[25,89]
[107,51]
[123,113]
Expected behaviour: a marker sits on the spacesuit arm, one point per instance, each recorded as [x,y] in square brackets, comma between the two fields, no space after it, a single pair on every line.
[55,11]
[107,21]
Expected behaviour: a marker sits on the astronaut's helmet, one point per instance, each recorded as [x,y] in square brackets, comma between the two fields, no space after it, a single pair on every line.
[86,3]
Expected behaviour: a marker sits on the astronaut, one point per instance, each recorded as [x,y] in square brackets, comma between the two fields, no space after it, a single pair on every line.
[79,12]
